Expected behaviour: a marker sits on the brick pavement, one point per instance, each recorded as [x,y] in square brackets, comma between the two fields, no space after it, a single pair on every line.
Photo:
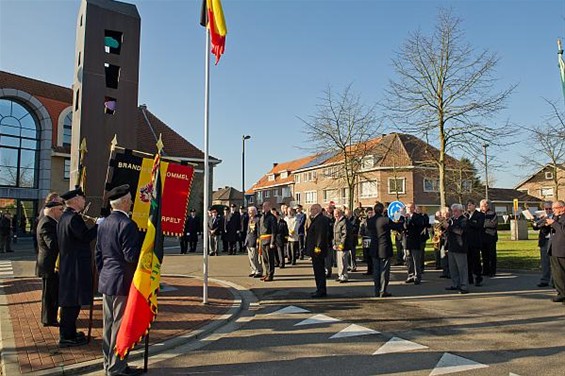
[180,311]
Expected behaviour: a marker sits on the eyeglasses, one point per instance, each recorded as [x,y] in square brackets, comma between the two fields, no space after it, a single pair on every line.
[547,209]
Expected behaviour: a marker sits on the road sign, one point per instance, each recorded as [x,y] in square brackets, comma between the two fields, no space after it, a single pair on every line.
[395,210]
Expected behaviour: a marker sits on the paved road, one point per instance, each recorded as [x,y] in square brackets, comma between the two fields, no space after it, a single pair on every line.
[506,327]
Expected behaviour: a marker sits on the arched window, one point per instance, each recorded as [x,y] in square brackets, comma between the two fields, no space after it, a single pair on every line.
[18,145]
[64,127]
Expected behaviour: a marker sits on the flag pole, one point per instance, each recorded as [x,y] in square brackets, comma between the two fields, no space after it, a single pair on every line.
[206,168]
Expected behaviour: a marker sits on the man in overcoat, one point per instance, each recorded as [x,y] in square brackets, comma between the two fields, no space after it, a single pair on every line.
[75,269]
[317,243]
[48,251]
[117,253]
[557,249]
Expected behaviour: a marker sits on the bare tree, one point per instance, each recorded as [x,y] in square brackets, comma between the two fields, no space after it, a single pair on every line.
[445,92]
[548,148]
[343,125]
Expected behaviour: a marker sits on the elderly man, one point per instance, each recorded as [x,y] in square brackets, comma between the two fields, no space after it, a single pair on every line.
[251,238]
[543,243]
[457,247]
[316,247]
[117,253]
[341,235]
[557,249]
[48,251]
[267,246]
[75,271]
[475,230]
[414,224]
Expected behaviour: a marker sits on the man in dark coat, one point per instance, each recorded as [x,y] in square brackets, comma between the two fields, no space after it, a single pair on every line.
[475,230]
[244,222]
[414,225]
[267,245]
[214,232]
[231,229]
[379,229]
[281,239]
[557,249]
[75,271]
[117,253]
[457,247]
[490,237]
[190,236]
[544,238]
[48,251]
[5,233]
[317,243]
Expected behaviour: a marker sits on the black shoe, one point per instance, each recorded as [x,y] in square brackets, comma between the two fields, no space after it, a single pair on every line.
[55,324]
[558,299]
[78,341]
[463,291]
[252,275]
[10,251]
[328,276]
[417,281]
[444,276]
[317,295]
[385,294]
[543,284]
[129,372]
[452,288]
[258,275]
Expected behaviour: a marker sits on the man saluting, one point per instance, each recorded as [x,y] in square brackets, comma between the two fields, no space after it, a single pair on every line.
[75,271]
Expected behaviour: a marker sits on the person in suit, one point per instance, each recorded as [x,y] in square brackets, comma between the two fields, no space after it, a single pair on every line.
[331,255]
[281,239]
[244,222]
[544,239]
[379,227]
[48,251]
[365,235]
[231,229]
[475,230]
[267,239]
[341,232]
[490,237]
[214,232]
[557,249]
[316,246]
[301,223]
[75,266]
[456,228]
[414,225]
[117,252]
[192,227]
[251,239]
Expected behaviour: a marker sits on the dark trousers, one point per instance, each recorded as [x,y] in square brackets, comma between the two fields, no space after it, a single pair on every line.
[488,251]
[423,248]
[50,299]
[558,274]
[192,244]
[68,324]
[301,245]
[399,251]
[368,260]
[474,264]
[183,244]
[381,274]
[268,257]
[319,266]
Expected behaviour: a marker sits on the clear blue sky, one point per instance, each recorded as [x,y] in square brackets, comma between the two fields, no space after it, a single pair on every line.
[280,55]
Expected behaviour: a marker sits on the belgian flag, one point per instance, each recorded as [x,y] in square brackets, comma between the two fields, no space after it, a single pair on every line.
[141,306]
[212,17]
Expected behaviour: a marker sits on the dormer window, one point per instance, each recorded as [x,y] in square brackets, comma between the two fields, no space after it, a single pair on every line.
[284,174]
[271,177]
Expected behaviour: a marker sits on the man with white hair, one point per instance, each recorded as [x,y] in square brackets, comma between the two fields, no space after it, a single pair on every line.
[251,237]
[341,233]
[118,247]
[557,249]
[457,245]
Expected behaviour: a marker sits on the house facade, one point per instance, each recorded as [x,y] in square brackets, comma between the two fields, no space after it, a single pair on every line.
[548,183]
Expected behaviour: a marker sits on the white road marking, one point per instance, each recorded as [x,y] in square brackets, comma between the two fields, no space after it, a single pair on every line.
[289,309]
[450,363]
[354,330]
[317,319]
[396,344]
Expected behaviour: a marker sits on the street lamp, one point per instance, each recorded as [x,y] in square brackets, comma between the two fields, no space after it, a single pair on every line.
[485,146]
[243,138]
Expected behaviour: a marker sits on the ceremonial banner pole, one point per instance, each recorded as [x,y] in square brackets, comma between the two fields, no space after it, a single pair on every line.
[206,169]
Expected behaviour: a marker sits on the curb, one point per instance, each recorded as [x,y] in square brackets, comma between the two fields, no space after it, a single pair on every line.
[9,358]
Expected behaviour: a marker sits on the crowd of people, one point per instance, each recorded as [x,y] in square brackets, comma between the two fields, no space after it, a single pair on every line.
[464,239]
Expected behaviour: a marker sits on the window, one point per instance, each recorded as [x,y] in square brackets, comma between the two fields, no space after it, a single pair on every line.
[297,178]
[368,189]
[397,185]
[431,185]
[286,192]
[330,195]
[67,171]
[298,197]
[546,191]
[311,197]
[548,175]
[267,194]
[466,186]
[284,174]
[18,145]
[64,127]
[367,162]
[271,177]
[310,176]
[250,199]
[260,196]
[112,41]
[331,172]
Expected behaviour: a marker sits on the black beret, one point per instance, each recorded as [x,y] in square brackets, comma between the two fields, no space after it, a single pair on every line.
[72,193]
[233,205]
[192,211]
[52,204]
[118,192]
[242,207]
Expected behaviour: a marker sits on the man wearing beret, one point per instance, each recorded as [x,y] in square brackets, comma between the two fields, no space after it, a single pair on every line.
[48,251]
[117,253]
[75,269]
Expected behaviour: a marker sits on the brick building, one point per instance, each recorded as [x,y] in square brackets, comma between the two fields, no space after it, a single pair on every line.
[548,183]
[35,138]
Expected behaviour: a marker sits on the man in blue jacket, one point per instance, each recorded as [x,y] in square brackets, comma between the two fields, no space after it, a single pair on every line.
[117,253]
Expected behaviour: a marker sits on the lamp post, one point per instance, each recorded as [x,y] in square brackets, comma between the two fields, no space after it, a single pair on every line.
[243,138]
[485,146]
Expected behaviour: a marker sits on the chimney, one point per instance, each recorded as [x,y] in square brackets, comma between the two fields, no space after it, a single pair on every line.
[275,164]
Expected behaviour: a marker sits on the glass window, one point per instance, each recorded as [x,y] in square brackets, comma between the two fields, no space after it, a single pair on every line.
[546,191]
[311,197]
[298,197]
[368,189]
[19,141]
[431,185]
[368,162]
[67,171]
[396,185]
[549,175]
[67,128]
[267,194]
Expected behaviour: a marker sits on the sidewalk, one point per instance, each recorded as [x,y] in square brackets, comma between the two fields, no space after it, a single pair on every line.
[36,348]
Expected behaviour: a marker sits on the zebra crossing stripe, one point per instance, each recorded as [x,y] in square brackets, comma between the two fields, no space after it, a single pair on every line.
[450,363]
